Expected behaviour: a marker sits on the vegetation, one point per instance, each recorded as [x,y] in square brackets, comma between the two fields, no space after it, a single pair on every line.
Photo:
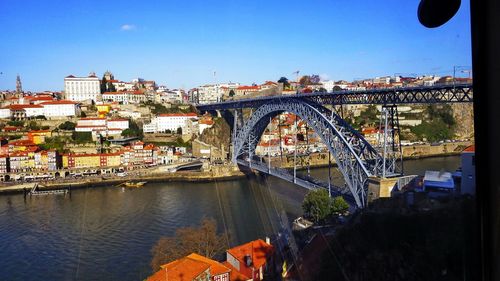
[202,240]
[319,206]
[58,143]
[69,126]
[15,123]
[440,124]
[286,84]
[367,117]
[82,137]
[33,125]
[179,131]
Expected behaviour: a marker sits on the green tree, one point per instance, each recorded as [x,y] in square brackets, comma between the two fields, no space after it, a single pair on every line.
[33,125]
[15,123]
[82,137]
[317,205]
[128,133]
[339,205]
[231,93]
[179,131]
[203,240]
[284,80]
[69,126]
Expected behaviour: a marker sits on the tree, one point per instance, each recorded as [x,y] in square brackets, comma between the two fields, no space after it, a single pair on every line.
[337,88]
[128,133]
[69,126]
[15,123]
[82,137]
[317,205]
[339,205]
[33,125]
[202,240]
[285,82]
[315,79]
[231,93]
[179,131]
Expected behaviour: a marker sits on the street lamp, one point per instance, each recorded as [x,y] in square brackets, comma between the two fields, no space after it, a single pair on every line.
[455,68]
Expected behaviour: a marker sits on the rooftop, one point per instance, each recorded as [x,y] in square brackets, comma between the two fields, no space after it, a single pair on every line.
[259,251]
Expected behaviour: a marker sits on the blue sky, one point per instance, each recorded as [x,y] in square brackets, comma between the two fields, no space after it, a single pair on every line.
[182,43]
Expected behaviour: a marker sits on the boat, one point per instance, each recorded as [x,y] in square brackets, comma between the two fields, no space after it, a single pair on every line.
[134,184]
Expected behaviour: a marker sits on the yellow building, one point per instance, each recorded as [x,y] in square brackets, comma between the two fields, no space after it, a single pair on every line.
[38,137]
[103,109]
[75,161]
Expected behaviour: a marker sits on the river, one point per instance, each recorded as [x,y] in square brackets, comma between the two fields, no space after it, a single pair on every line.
[107,233]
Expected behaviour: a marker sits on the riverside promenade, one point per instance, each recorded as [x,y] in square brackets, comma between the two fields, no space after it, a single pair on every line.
[221,173]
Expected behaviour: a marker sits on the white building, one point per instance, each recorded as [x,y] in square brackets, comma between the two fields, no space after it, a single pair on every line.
[125,97]
[60,108]
[103,126]
[209,94]
[82,88]
[123,86]
[170,121]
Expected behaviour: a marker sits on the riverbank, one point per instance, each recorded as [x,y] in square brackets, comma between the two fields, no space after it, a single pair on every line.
[320,160]
[220,173]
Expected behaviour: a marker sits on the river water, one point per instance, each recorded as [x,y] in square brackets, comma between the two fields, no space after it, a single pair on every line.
[108,232]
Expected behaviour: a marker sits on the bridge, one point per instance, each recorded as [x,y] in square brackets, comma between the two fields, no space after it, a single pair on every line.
[356,158]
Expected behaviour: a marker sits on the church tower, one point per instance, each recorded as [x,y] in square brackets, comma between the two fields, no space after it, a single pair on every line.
[19,86]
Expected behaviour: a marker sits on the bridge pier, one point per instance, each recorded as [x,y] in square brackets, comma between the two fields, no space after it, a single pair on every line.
[380,187]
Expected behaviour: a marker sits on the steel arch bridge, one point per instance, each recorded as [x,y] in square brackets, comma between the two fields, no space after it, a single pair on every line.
[357,160]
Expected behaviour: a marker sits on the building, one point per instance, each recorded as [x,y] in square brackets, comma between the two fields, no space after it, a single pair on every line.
[82,88]
[468,161]
[139,155]
[60,108]
[170,122]
[38,137]
[125,97]
[252,259]
[102,126]
[96,160]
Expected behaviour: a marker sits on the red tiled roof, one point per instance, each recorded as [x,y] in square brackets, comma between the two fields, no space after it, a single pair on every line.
[56,102]
[216,267]
[248,88]
[22,143]
[471,148]
[180,270]
[92,118]
[23,106]
[259,250]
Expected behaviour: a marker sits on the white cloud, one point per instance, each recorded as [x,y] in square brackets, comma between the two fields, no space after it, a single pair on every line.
[324,76]
[127,27]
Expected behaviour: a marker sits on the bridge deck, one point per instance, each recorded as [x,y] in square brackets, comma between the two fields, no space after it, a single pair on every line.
[409,95]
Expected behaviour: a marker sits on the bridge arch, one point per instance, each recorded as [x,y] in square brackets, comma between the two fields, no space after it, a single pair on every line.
[356,158]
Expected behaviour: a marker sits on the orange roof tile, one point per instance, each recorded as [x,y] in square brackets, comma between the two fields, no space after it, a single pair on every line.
[180,270]
[471,148]
[258,249]
[192,114]
[56,102]
[216,267]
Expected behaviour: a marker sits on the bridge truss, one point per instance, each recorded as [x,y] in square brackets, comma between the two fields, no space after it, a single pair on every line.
[357,160]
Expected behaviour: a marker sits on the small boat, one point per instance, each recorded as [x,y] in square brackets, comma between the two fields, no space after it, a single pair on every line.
[135,184]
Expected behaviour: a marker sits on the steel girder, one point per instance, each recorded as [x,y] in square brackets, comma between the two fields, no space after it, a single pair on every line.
[410,95]
[355,157]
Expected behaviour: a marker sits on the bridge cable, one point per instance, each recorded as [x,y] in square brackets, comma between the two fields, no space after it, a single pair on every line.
[283,225]
[222,213]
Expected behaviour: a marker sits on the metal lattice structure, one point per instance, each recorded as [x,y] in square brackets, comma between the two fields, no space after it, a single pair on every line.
[411,95]
[356,158]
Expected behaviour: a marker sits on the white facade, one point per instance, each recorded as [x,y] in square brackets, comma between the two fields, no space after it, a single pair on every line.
[171,122]
[123,86]
[82,88]
[60,108]
[210,94]
[5,112]
[125,97]
[102,126]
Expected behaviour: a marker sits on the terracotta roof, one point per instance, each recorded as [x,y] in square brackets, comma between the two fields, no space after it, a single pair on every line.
[257,249]
[471,148]
[248,88]
[56,102]
[180,270]
[23,106]
[92,118]
[22,143]
[216,267]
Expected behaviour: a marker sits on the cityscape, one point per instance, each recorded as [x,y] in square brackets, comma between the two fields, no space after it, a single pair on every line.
[255,171]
